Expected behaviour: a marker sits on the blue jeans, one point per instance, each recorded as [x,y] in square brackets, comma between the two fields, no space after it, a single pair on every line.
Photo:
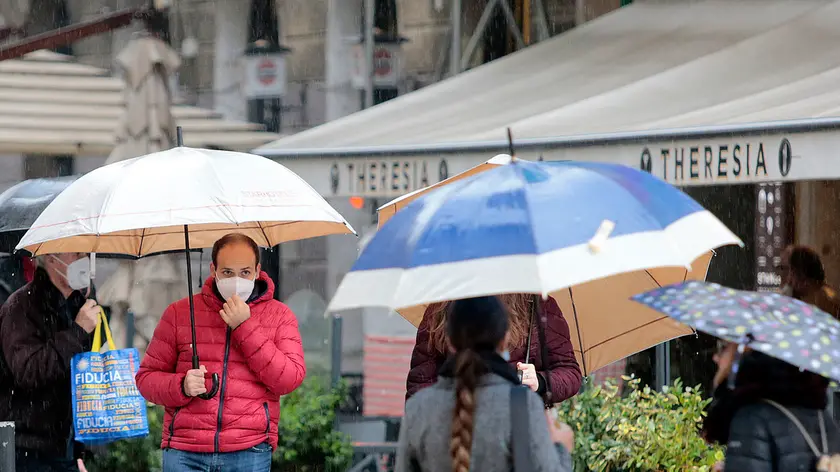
[255,459]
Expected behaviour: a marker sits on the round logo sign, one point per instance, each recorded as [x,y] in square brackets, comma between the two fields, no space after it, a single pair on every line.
[785,157]
[382,62]
[334,178]
[266,72]
[646,163]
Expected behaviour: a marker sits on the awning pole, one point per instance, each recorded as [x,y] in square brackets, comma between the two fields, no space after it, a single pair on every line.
[526,21]
[455,51]
[542,20]
[369,46]
[512,26]
[479,30]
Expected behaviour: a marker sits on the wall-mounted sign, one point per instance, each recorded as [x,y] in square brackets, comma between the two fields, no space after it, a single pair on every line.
[265,75]
[385,177]
[771,234]
[722,161]
[387,65]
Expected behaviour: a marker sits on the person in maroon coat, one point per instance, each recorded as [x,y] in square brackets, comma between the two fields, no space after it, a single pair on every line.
[562,369]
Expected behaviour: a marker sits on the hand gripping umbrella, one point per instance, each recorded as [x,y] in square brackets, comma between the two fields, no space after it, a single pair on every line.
[182,199]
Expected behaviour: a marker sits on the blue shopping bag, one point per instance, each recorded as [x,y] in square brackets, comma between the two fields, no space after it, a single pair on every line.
[106,403]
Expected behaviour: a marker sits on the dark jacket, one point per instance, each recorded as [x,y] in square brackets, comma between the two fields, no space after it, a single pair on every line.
[425,432]
[562,365]
[760,438]
[38,338]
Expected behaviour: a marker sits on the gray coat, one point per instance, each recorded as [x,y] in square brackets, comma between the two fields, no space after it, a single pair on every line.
[426,428]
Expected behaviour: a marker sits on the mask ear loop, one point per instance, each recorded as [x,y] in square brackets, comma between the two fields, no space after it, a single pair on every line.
[736,361]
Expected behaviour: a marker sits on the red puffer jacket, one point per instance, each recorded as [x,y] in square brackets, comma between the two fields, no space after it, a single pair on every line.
[257,362]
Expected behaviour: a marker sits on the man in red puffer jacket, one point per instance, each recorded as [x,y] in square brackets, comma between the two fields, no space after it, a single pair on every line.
[246,336]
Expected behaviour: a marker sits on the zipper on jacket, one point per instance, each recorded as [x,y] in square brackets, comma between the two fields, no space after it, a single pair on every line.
[267,420]
[222,391]
[172,427]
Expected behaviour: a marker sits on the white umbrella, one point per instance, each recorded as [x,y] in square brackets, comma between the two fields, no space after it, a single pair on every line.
[140,206]
[180,199]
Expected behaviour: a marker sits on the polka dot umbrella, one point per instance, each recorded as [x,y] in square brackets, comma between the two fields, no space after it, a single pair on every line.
[777,325]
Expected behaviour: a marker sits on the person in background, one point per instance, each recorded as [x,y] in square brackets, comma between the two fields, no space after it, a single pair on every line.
[42,326]
[464,421]
[430,348]
[804,279]
[758,435]
[246,336]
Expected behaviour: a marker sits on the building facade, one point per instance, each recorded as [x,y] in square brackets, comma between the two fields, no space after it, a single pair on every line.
[414,41]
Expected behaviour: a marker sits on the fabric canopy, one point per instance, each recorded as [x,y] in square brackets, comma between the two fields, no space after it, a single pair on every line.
[50,104]
[651,65]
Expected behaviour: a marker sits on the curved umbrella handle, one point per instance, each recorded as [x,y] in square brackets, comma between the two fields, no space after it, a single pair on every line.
[213,390]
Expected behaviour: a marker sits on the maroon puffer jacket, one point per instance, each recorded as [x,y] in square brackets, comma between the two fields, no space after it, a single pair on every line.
[257,362]
[562,365]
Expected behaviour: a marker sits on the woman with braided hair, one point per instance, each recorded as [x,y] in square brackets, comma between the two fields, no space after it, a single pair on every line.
[464,422]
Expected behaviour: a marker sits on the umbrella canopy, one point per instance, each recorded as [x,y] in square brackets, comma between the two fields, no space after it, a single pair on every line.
[388,210]
[589,234]
[140,206]
[20,206]
[777,325]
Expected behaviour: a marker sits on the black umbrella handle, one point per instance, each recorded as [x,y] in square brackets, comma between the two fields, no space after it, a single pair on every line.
[214,389]
[196,364]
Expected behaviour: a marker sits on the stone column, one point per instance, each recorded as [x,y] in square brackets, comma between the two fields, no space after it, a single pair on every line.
[230,40]
[343,26]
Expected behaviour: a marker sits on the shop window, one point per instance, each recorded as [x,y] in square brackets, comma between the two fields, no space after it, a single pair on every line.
[49,15]
[385,18]
[262,23]
[263,26]
[385,29]
[37,166]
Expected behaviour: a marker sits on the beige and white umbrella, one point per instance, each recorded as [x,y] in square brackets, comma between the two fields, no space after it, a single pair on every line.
[147,286]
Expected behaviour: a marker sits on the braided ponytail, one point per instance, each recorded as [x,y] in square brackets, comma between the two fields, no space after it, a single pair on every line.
[468,367]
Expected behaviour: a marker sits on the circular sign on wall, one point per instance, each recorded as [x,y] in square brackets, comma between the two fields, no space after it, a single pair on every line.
[382,62]
[267,72]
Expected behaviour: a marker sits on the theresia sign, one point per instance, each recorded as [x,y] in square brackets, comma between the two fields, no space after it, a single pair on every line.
[720,161]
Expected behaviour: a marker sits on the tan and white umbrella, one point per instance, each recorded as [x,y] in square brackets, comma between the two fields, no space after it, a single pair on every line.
[147,286]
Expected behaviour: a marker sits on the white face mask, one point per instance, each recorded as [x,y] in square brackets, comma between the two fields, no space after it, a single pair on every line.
[235,286]
[77,273]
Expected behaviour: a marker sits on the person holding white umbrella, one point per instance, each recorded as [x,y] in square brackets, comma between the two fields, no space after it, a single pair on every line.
[248,336]
[187,198]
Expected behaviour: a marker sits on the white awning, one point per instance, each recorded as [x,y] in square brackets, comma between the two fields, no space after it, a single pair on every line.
[52,105]
[653,74]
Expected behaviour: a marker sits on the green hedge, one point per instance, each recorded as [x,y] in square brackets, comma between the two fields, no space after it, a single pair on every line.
[307,439]
[642,430]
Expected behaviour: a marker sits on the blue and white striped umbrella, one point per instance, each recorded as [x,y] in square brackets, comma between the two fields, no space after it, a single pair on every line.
[544,228]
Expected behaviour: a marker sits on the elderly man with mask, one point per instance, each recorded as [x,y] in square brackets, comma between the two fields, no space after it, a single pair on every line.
[42,326]
[246,336]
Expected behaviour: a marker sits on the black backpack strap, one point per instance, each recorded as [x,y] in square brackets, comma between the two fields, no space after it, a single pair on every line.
[520,431]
